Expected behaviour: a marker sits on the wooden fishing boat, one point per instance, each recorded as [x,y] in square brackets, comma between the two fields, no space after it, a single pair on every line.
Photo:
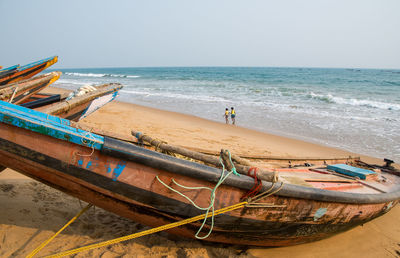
[8,71]
[14,67]
[136,183]
[78,107]
[22,90]
[27,71]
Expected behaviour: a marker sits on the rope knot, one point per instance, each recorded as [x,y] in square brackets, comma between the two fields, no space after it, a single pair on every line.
[226,161]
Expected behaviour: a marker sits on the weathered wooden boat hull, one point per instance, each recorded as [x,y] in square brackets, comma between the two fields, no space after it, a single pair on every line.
[120,177]
[20,91]
[27,71]
[82,106]
[8,71]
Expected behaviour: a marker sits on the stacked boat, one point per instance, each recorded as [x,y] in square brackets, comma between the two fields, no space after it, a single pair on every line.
[19,85]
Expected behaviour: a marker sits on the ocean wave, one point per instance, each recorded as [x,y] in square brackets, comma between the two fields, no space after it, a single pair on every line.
[101,75]
[325,98]
[176,96]
[69,82]
[328,98]
[86,74]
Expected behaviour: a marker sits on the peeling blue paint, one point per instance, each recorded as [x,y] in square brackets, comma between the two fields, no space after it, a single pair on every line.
[45,124]
[319,213]
[89,164]
[118,170]
[108,168]
[80,162]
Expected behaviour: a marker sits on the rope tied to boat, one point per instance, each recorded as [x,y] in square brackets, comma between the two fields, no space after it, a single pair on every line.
[89,144]
[257,184]
[148,232]
[252,202]
[211,205]
[40,247]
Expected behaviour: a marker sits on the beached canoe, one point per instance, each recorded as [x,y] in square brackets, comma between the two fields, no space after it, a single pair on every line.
[27,71]
[122,178]
[22,90]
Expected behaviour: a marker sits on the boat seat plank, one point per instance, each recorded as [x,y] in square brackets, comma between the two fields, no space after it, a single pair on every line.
[352,171]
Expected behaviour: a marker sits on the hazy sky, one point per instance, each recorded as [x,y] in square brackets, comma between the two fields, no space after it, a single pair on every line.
[315,33]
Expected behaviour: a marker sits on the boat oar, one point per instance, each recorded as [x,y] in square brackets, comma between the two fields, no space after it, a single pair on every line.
[262,174]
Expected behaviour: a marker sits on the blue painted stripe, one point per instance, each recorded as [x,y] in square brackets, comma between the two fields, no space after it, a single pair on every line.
[36,63]
[9,68]
[47,125]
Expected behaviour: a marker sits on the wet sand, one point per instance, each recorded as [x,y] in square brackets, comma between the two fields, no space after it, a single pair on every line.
[32,212]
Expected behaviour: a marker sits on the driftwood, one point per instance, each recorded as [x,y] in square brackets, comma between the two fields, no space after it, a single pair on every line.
[269,176]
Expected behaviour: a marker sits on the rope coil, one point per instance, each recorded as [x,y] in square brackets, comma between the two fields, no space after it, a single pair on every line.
[212,196]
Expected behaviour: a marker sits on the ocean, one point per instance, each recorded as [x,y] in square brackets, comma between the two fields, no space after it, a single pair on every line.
[353,109]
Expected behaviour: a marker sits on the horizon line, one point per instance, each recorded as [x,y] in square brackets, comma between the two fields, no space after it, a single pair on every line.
[227,66]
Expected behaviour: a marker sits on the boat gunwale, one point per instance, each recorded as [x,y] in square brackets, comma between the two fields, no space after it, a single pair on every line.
[129,151]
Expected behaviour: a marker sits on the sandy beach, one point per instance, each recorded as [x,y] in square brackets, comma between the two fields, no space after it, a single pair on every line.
[32,212]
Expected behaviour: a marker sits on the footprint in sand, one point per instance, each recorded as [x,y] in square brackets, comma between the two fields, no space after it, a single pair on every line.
[6,187]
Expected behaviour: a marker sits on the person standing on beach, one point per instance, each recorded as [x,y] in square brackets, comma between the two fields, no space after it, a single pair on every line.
[226,115]
[233,115]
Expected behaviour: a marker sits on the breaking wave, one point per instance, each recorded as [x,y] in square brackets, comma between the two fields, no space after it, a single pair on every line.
[188,97]
[328,98]
[101,75]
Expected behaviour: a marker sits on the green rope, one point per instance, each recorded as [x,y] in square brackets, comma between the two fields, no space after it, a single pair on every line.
[233,166]
[212,197]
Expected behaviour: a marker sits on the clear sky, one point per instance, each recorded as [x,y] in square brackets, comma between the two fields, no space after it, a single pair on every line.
[290,33]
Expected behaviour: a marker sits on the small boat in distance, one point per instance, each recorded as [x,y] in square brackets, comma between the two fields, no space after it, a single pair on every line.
[129,180]
[27,71]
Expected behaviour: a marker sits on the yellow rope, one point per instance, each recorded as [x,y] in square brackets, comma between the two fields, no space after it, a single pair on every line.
[65,226]
[148,232]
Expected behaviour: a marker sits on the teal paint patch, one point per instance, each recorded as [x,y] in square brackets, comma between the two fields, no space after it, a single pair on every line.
[319,213]
[80,162]
[118,170]
[108,167]
[89,164]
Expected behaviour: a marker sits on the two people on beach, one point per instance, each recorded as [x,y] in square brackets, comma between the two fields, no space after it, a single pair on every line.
[232,113]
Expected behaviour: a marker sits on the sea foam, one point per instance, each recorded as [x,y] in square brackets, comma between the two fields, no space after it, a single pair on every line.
[329,98]
[101,75]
